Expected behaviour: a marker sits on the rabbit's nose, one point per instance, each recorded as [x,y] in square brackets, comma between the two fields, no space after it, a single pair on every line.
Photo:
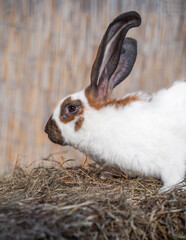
[54,133]
[49,125]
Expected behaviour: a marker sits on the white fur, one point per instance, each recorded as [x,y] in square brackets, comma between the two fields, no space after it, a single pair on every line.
[144,136]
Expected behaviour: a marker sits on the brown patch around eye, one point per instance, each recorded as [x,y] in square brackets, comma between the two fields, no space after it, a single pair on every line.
[65,118]
[79,123]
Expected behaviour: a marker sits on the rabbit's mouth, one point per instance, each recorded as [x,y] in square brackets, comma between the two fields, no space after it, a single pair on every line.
[54,134]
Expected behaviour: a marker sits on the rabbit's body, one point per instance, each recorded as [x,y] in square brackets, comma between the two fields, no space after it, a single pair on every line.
[140,133]
[146,136]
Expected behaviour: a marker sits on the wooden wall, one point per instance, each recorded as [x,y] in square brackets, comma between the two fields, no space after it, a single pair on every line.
[46,51]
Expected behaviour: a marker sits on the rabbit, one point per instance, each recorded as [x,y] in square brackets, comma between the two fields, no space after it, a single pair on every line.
[141,133]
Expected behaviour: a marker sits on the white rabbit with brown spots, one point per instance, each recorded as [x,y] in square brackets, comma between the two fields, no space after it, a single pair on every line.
[140,133]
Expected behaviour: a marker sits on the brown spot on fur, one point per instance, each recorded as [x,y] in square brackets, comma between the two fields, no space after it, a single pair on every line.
[95,103]
[65,118]
[79,123]
[92,100]
[123,102]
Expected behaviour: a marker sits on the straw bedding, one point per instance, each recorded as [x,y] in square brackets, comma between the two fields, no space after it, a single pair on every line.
[88,203]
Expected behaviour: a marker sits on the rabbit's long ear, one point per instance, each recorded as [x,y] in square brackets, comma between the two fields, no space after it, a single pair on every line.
[116,56]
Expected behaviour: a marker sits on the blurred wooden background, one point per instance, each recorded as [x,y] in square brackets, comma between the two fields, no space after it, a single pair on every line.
[47,48]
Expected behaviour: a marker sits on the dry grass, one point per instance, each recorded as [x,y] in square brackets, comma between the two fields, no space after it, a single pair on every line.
[93,203]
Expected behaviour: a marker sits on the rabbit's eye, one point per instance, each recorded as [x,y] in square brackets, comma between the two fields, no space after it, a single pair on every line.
[71,108]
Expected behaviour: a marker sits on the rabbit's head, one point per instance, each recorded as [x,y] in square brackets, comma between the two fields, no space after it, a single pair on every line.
[114,61]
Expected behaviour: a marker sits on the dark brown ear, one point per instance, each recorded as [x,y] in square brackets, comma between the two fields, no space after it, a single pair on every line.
[126,61]
[116,56]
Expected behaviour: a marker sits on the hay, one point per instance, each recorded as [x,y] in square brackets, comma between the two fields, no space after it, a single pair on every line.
[93,203]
